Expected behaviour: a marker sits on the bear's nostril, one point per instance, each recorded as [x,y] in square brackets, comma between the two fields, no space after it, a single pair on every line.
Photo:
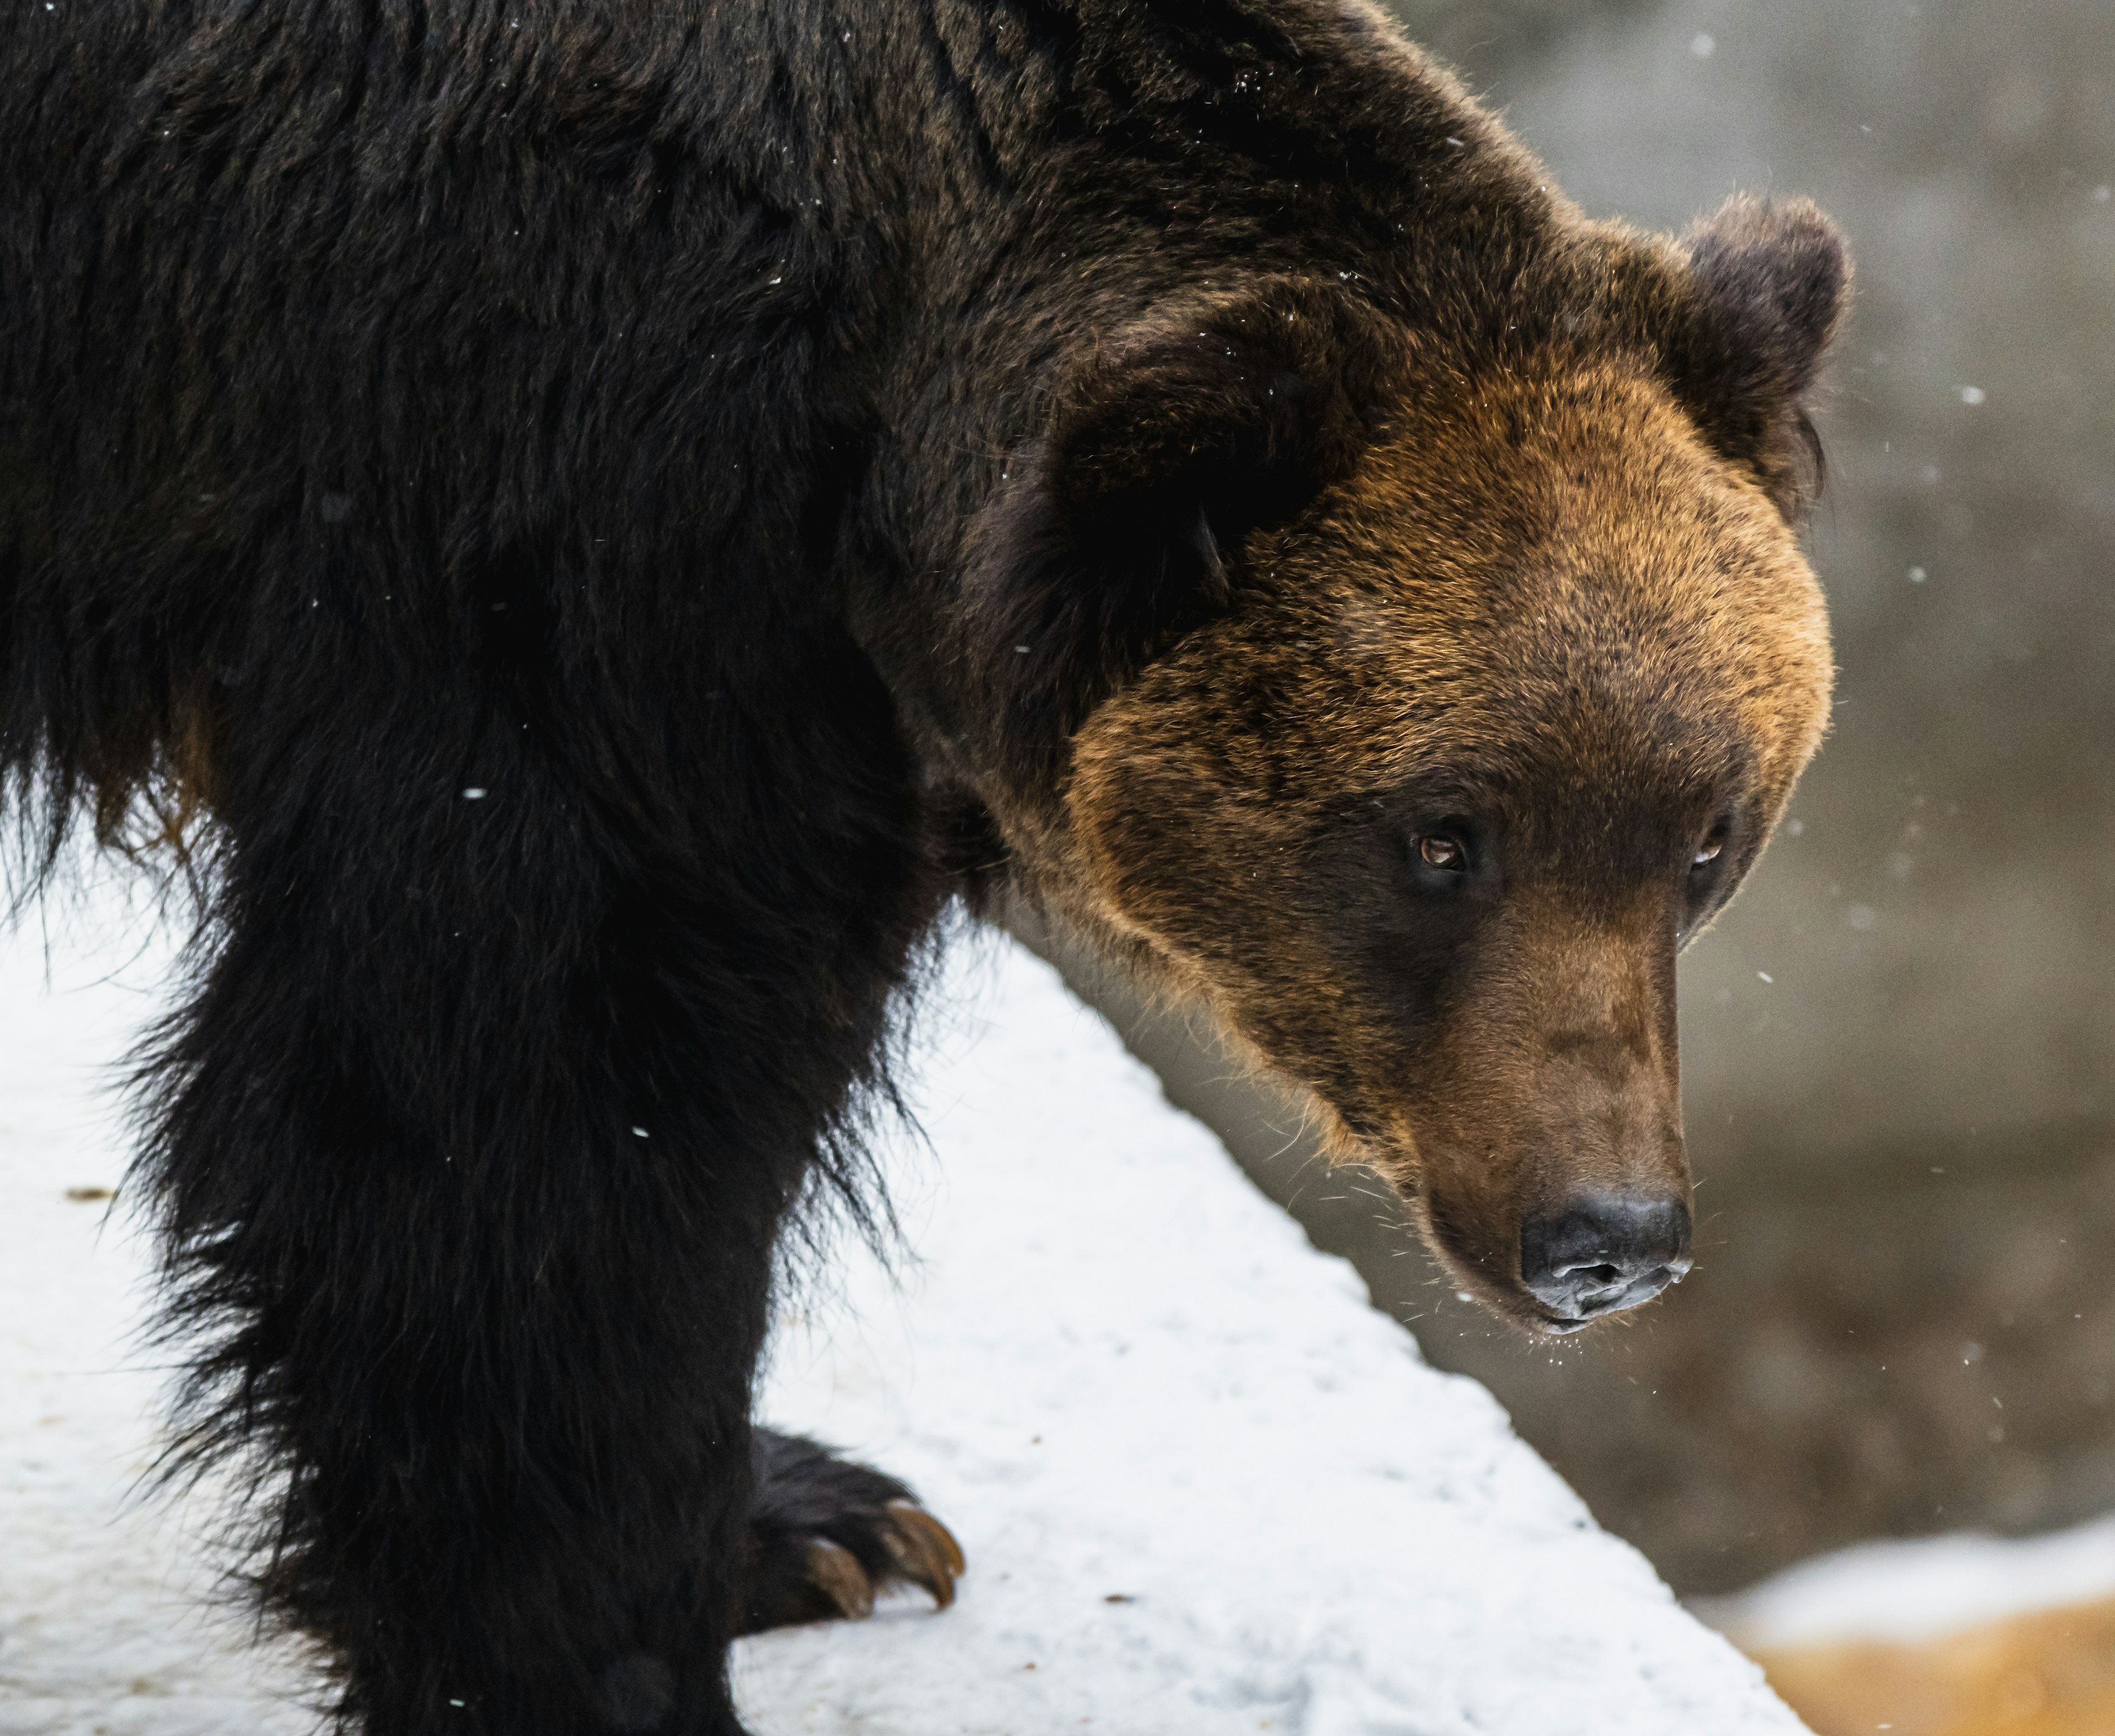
[1598,1256]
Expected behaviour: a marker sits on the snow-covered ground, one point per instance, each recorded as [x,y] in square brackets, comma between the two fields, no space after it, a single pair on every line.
[1203,1487]
[100,1628]
[1921,1590]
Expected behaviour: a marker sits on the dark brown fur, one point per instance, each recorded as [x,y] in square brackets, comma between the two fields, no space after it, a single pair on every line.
[588,522]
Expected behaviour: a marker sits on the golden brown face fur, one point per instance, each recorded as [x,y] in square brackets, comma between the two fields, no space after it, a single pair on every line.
[1404,670]
[1543,623]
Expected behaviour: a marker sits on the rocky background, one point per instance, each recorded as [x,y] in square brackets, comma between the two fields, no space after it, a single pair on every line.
[1900,1082]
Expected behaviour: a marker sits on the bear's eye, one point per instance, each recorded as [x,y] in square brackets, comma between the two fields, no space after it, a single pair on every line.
[1445,854]
[1713,845]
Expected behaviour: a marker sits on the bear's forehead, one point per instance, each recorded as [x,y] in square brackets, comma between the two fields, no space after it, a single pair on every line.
[1563,550]
[1549,583]
[1592,488]
[1669,714]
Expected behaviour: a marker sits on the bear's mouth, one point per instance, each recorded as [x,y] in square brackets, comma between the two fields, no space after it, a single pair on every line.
[1603,1253]
[1635,1294]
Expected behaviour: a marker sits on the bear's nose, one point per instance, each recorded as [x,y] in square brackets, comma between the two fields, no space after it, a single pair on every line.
[1600,1256]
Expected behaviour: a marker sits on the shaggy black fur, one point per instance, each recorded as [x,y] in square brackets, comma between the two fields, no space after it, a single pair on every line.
[502,482]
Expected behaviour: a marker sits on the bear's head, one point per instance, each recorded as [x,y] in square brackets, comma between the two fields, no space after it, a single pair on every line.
[1409,696]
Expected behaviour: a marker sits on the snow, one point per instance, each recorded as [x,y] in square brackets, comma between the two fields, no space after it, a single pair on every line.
[102,1625]
[1203,1486]
[1922,1589]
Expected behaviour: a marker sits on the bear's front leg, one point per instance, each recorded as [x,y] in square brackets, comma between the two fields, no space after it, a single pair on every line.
[472,1151]
[500,1348]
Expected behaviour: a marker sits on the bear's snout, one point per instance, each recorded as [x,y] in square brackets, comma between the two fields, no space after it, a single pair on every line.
[1602,1255]
[1545,1145]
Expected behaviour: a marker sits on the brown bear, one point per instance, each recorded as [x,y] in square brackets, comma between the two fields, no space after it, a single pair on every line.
[582,525]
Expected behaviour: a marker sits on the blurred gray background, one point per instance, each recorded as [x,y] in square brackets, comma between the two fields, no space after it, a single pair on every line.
[1903,1319]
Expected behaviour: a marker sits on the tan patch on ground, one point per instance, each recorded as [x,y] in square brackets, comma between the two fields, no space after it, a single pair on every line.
[2049,1674]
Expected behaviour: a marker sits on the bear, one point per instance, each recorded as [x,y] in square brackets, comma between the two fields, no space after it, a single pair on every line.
[577,530]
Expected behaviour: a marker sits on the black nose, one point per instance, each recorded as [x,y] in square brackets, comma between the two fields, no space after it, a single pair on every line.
[1600,1256]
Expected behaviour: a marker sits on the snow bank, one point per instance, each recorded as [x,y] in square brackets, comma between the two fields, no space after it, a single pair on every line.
[1924,1590]
[1204,1488]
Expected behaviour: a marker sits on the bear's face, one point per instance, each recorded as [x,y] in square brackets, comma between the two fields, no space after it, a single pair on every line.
[1409,696]
[1426,815]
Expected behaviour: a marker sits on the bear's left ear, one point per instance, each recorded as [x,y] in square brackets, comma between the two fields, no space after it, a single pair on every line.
[1166,448]
[1771,284]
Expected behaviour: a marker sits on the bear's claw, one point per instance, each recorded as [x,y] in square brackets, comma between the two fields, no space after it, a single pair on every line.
[835,1571]
[922,1551]
[925,1550]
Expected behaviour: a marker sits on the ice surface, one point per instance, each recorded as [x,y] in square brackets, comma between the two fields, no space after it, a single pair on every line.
[1114,1369]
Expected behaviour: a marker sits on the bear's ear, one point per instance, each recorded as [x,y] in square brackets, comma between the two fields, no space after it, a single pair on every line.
[1771,283]
[1122,527]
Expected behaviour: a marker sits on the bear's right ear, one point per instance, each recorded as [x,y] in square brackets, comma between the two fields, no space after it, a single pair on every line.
[1118,530]
[1772,281]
